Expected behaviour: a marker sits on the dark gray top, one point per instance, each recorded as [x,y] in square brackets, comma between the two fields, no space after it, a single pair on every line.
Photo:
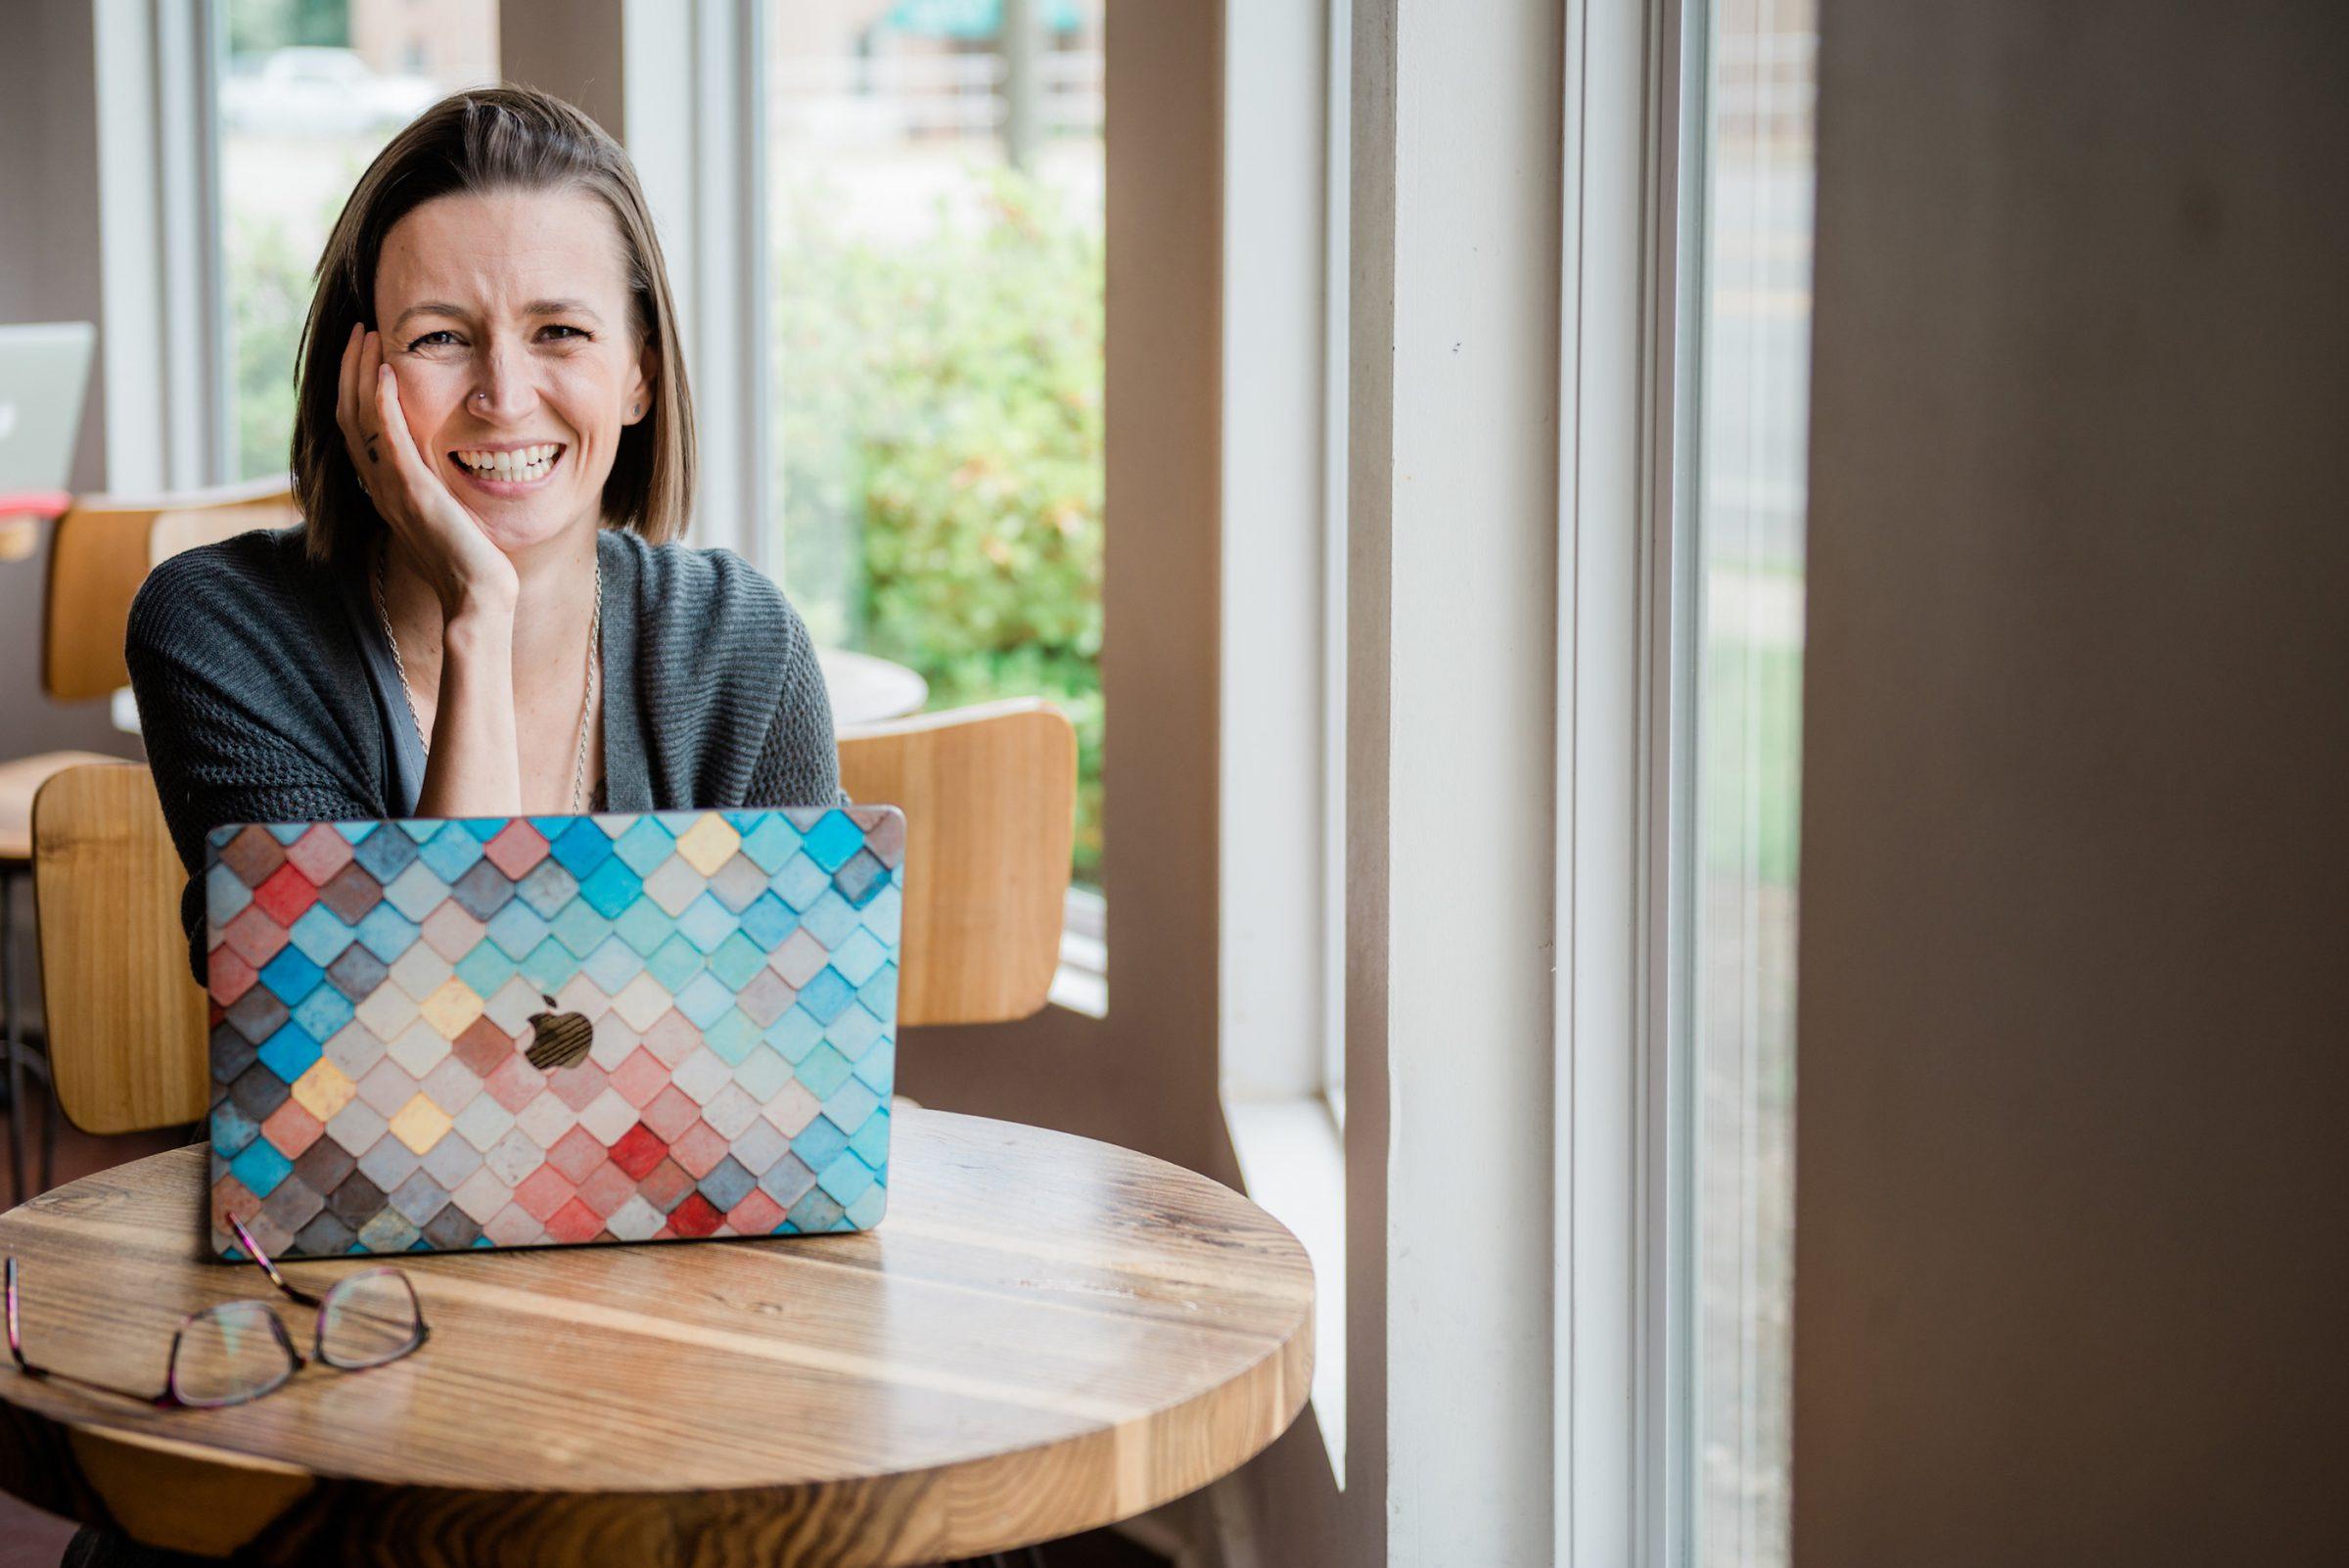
[261,699]
[403,748]
[403,745]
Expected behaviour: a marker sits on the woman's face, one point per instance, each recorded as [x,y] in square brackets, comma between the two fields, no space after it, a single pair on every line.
[506,320]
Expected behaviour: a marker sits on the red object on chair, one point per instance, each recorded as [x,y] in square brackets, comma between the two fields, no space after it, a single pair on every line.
[34,503]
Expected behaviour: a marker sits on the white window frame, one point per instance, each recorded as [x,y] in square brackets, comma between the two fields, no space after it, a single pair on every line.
[163,333]
[1631,612]
[1283,557]
[1282,656]
[1081,982]
[693,118]
[1451,900]
[1336,198]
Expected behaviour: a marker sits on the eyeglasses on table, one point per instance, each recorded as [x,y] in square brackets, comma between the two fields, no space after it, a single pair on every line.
[239,1349]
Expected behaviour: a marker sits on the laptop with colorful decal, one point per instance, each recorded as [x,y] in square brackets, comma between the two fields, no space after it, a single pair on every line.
[548,1030]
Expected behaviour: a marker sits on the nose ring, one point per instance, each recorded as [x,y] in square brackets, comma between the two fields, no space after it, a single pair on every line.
[482,393]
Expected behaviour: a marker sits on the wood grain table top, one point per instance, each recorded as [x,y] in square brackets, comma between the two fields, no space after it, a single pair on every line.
[1045,1335]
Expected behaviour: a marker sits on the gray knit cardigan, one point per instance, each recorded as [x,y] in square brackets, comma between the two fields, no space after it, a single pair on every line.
[255,702]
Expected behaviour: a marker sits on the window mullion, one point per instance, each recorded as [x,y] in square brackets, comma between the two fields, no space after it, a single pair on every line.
[1620,1187]
[693,86]
[162,350]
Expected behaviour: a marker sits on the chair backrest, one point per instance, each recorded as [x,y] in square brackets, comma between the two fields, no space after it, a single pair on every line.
[104,549]
[989,796]
[126,1024]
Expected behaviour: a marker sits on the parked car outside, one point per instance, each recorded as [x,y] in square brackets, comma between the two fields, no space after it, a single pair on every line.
[313,91]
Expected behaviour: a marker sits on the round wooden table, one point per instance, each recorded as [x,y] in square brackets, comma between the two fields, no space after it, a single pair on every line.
[868,689]
[1045,1335]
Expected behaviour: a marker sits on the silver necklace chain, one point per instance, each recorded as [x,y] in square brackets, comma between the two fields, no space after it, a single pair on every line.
[595,674]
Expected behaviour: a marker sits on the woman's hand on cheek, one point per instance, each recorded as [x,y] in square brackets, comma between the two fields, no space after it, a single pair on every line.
[443,538]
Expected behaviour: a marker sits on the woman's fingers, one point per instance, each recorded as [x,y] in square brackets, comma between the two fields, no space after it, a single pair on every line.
[402,489]
[346,383]
[351,405]
[389,446]
[394,424]
[371,428]
[446,539]
[429,500]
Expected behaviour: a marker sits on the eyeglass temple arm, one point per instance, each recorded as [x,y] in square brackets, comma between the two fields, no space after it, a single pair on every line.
[252,1250]
[25,1364]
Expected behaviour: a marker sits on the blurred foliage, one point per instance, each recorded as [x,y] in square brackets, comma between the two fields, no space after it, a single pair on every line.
[269,297]
[939,415]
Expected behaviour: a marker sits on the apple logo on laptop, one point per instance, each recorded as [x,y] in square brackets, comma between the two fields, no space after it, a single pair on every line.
[558,1039]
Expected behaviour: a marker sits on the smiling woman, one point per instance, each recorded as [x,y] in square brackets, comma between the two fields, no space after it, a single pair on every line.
[486,387]
[486,612]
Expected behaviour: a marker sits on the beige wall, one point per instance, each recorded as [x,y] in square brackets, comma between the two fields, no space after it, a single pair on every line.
[2072,1244]
[570,48]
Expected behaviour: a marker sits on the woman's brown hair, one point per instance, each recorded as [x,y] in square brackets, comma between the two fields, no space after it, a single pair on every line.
[488,140]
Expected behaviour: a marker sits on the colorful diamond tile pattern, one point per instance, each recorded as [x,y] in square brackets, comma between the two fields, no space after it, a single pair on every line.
[375,991]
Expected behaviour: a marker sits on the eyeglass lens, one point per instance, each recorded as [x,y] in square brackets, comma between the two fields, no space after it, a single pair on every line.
[229,1353]
[368,1319]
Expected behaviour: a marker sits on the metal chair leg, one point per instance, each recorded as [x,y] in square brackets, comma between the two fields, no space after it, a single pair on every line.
[52,1110]
[8,1028]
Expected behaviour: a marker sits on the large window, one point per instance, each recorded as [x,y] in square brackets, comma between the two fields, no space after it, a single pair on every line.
[1746,504]
[936,384]
[309,92]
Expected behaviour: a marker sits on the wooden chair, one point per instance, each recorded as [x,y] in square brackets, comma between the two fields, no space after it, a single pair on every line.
[100,552]
[988,794]
[103,551]
[127,1025]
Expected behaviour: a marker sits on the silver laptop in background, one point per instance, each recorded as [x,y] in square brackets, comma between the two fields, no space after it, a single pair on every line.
[44,373]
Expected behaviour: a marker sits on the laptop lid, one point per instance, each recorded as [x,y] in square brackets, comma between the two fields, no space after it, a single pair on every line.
[442,1035]
[44,371]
